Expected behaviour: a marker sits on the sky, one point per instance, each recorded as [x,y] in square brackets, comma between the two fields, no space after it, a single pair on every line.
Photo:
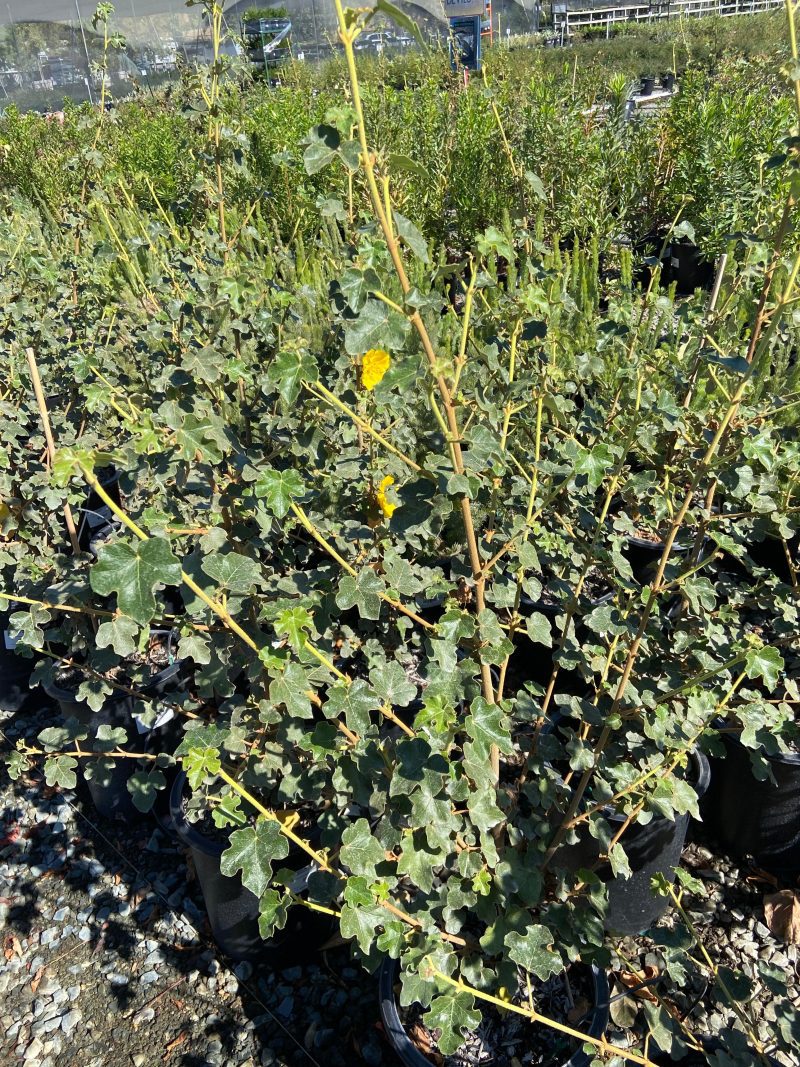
[64,10]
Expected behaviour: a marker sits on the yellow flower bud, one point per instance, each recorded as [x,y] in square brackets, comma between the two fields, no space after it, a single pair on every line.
[384,504]
[374,365]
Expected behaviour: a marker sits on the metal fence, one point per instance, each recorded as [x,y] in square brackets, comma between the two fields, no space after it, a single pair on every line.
[570,15]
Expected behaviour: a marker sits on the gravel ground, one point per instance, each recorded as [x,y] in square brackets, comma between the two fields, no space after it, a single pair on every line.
[109,962]
[730,922]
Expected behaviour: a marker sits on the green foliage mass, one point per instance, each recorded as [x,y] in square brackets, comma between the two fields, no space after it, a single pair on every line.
[418,645]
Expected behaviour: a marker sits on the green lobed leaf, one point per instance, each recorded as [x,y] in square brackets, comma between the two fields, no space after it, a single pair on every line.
[133,572]
[143,787]
[279,489]
[412,237]
[452,1013]
[119,633]
[392,685]
[54,738]
[252,851]
[377,326]
[362,592]
[288,370]
[322,146]
[273,911]
[361,923]
[539,630]
[233,572]
[195,646]
[355,702]
[295,624]
[765,663]
[60,770]
[200,763]
[488,725]
[532,950]
[108,738]
[360,851]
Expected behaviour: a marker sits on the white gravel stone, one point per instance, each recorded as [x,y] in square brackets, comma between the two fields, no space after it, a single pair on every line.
[34,1051]
[70,1020]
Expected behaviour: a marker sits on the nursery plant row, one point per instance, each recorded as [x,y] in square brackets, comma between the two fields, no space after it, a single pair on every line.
[414,533]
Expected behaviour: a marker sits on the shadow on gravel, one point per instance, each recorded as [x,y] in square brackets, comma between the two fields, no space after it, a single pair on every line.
[108,919]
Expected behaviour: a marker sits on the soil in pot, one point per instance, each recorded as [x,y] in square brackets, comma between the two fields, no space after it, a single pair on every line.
[152,673]
[232,908]
[578,998]
[596,590]
[752,817]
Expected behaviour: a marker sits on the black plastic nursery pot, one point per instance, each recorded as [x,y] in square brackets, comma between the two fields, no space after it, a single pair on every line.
[751,817]
[652,848]
[552,610]
[233,909]
[533,662]
[668,81]
[15,670]
[687,267]
[771,553]
[108,785]
[410,1055]
[648,85]
[643,556]
[97,521]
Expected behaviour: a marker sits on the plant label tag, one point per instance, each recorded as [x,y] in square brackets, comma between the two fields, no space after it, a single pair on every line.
[10,640]
[162,719]
[98,518]
[300,881]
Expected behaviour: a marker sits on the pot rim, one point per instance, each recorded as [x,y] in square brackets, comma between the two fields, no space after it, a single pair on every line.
[790,759]
[183,828]
[412,1057]
[702,769]
[679,547]
[69,696]
[701,783]
[543,607]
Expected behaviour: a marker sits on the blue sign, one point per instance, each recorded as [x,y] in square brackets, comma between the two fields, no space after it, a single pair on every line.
[465,43]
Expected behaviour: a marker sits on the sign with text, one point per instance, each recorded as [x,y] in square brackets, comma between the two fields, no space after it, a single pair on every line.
[458,8]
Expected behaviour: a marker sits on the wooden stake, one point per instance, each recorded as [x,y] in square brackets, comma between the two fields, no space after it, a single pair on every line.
[722,262]
[51,445]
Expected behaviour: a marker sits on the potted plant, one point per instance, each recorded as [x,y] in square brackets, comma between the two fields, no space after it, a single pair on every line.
[304,443]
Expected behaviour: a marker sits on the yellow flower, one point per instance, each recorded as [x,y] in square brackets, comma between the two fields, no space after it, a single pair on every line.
[374,365]
[384,504]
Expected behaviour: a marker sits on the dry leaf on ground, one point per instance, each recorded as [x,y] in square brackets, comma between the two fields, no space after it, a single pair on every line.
[631,980]
[782,912]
